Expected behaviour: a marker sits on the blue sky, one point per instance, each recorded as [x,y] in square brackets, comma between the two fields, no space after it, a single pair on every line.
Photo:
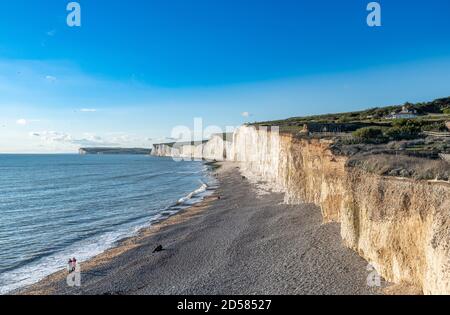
[135,69]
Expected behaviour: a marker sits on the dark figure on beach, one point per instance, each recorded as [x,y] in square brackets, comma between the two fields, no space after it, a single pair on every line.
[74,264]
[70,265]
[158,249]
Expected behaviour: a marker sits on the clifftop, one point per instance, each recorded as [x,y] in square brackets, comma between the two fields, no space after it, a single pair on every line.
[427,112]
[410,140]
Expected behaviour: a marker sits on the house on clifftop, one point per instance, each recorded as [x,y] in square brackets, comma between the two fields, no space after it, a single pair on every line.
[407,112]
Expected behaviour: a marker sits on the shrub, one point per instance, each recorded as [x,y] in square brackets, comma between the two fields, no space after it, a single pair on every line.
[403,129]
[437,126]
[446,111]
[369,134]
[409,123]
[400,133]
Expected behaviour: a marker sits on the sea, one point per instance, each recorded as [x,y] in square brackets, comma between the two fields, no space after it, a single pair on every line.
[55,207]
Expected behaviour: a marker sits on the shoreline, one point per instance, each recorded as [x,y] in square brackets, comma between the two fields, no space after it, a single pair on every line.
[242,243]
[43,286]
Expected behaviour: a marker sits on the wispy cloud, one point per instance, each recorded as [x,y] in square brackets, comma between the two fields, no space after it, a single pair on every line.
[34,82]
[169,139]
[163,140]
[88,110]
[52,136]
[24,122]
[246,114]
[51,33]
[88,140]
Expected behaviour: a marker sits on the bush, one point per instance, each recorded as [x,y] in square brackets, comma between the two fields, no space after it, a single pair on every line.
[401,133]
[437,126]
[403,129]
[369,134]
[446,111]
[409,123]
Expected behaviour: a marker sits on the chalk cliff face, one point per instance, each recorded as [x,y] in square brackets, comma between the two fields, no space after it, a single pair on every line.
[164,150]
[305,170]
[400,226]
[217,148]
[178,150]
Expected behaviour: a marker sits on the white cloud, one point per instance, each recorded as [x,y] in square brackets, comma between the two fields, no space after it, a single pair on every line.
[163,140]
[51,33]
[246,114]
[88,110]
[52,136]
[56,141]
[50,78]
[22,122]
[89,139]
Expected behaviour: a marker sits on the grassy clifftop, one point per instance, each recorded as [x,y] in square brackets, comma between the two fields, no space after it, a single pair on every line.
[434,111]
[380,141]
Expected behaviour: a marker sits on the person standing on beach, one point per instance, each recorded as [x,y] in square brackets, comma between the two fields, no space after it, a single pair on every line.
[74,264]
[69,265]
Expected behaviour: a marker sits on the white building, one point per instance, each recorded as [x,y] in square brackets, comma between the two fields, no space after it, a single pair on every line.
[405,113]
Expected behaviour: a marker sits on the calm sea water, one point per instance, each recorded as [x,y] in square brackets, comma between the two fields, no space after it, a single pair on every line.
[53,207]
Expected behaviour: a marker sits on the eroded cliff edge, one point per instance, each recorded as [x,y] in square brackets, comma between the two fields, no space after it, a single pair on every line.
[401,226]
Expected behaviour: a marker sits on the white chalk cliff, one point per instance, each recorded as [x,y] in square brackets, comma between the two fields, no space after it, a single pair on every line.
[400,226]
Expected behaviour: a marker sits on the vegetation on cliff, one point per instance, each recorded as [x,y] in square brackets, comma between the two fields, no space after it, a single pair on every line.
[376,141]
[427,112]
